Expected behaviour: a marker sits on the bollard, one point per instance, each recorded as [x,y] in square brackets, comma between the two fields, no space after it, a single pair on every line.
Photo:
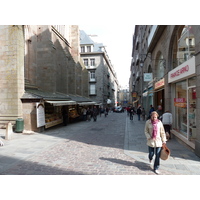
[9,131]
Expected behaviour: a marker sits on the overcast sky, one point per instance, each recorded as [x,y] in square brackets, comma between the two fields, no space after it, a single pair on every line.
[118,41]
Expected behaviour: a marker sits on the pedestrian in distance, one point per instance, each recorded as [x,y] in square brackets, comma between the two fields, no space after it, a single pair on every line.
[132,111]
[95,112]
[128,110]
[167,122]
[139,112]
[150,111]
[65,116]
[160,112]
[143,114]
[88,114]
[155,134]
[105,112]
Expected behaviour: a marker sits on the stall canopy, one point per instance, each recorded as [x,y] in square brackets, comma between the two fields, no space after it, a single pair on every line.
[61,103]
[86,103]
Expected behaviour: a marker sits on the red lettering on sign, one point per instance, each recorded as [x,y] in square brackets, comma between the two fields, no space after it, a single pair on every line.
[180,71]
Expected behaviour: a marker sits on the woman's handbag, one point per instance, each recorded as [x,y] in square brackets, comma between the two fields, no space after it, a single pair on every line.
[165,152]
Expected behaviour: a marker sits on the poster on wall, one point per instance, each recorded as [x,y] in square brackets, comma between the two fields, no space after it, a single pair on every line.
[180,102]
[40,114]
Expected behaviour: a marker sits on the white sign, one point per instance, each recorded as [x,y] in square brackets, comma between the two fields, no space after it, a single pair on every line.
[182,71]
[109,101]
[147,77]
[40,114]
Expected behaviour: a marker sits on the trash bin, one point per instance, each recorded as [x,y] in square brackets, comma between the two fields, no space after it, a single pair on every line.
[19,125]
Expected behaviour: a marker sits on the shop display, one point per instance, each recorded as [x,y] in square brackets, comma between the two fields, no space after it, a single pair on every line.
[73,113]
[53,115]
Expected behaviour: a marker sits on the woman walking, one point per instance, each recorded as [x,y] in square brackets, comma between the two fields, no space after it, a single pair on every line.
[155,135]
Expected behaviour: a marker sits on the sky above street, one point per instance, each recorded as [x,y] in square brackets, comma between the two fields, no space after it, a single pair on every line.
[117,39]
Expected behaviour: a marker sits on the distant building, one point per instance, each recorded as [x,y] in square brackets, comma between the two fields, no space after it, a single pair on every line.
[103,83]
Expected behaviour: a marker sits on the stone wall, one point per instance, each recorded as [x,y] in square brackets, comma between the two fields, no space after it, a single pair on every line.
[11,72]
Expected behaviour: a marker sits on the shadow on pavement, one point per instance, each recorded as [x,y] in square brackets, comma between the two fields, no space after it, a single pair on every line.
[140,165]
[31,168]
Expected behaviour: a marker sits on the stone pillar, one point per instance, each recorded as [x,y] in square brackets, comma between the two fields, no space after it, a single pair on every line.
[11,72]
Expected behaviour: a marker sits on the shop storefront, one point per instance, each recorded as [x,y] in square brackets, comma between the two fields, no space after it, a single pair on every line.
[183,83]
[54,112]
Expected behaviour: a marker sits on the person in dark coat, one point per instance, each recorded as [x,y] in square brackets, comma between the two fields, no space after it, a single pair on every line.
[139,111]
[95,112]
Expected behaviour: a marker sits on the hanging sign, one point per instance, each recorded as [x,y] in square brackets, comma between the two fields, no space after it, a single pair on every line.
[147,77]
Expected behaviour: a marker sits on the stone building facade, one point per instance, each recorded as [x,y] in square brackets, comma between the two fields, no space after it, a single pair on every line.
[103,83]
[39,63]
[165,71]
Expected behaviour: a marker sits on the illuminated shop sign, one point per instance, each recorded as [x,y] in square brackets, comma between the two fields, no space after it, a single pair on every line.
[182,71]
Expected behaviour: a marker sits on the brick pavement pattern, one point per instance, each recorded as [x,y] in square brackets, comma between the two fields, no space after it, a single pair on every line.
[84,148]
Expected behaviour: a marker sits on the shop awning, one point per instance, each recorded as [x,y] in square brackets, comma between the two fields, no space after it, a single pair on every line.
[62,103]
[86,103]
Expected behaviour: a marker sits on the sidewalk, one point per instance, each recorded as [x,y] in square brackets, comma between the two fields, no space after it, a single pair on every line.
[182,160]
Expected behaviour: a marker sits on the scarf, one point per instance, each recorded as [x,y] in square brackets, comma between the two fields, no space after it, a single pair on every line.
[155,128]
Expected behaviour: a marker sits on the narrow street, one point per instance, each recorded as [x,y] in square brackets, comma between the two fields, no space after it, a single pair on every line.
[88,148]
[113,145]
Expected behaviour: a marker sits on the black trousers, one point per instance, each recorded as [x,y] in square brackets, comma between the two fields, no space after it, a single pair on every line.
[167,128]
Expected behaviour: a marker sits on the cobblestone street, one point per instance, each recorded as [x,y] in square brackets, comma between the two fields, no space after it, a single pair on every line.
[111,146]
[88,148]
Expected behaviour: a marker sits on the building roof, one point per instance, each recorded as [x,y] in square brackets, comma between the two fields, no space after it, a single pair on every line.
[39,94]
[85,39]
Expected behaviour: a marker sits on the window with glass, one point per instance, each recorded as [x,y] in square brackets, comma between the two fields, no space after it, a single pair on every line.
[82,49]
[92,75]
[92,62]
[180,103]
[88,48]
[184,45]
[85,61]
[92,89]
[159,65]
[185,107]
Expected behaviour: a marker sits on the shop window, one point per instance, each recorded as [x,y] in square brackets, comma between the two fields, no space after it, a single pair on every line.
[185,107]
[180,103]
[184,45]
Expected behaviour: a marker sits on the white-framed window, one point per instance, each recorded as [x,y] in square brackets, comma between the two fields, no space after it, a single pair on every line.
[92,62]
[92,75]
[85,61]
[82,49]
[88,48]
[92,89]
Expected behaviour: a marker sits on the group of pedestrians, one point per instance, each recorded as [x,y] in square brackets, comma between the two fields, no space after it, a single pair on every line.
[140,112]
[92,113]
[155,130]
